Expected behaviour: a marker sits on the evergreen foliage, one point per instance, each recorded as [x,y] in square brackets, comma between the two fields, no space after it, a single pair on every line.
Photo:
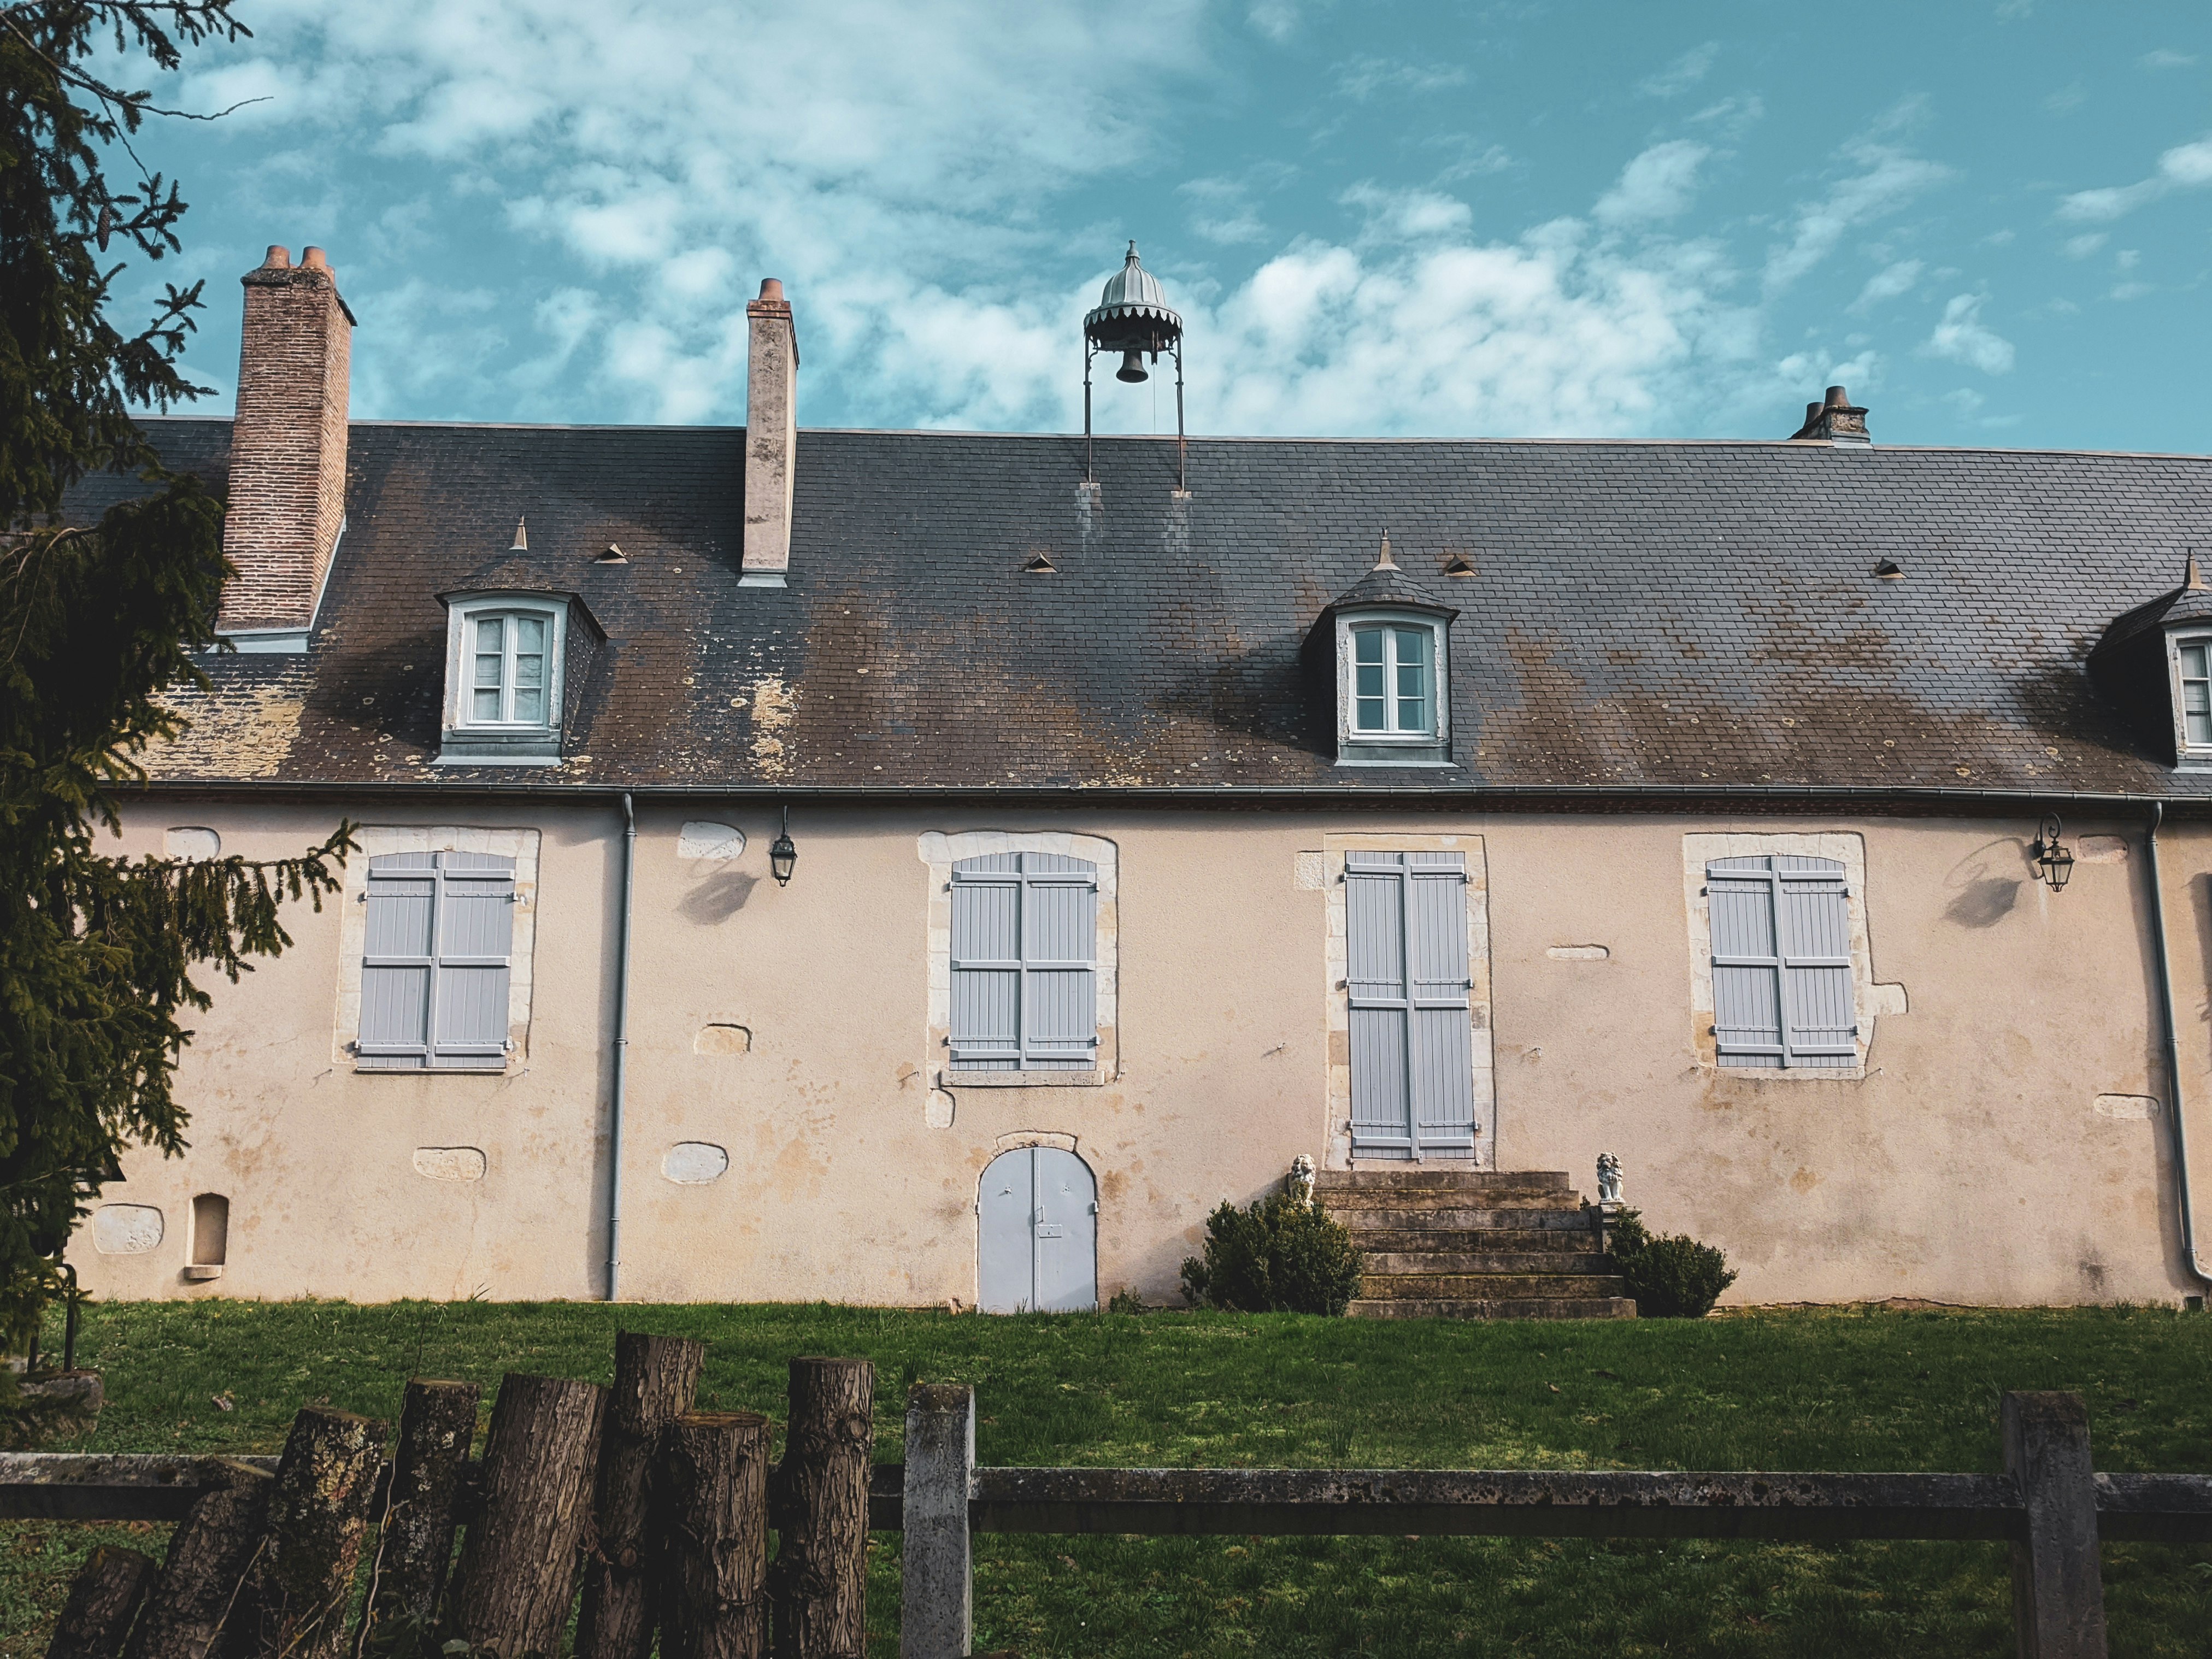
[1671,1276]
[1279,1256]
[97,621]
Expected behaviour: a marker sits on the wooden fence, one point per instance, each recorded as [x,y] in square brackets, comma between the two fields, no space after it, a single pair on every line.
[662,1516]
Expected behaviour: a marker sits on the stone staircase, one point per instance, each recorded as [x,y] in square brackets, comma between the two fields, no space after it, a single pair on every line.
[1472,1244]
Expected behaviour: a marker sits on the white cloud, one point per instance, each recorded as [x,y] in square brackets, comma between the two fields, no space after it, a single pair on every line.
[2165,58]
[1407,214]
[1887,283]
[1886,179]
[1678,76]
[2066,100]
[2184,166]
[1363,78]
[1962,338]
[2081,246]
[1656,185]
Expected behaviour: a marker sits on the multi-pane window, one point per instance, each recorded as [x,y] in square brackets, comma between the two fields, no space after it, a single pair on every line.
[509,657]
[1392,679]
[2196,663]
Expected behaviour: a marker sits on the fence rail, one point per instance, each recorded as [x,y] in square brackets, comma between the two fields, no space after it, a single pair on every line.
[2049,1506]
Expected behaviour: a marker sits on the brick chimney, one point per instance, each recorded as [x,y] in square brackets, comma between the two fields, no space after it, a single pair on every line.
[288,451]
[771,433]
[1837,419]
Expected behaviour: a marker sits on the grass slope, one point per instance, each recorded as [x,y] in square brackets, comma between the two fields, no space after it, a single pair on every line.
[1796,1390]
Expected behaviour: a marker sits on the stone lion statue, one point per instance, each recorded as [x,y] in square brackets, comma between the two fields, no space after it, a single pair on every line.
[1608,1178]
[1301,1182]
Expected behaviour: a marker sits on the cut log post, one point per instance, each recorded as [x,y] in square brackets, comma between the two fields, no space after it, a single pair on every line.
[655,1379]
[519,1564]
[110,1588]
[2057,1589]
[415,1547]
[711,1503]
[209,1554]
[936,1618]
[818,1586]
[294,1601]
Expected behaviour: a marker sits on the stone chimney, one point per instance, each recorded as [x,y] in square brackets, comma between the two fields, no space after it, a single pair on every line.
[1836,421]
[771,435]
[288,451]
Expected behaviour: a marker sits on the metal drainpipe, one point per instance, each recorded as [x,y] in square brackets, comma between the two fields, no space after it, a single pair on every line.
[2172,1054]
[622,1054]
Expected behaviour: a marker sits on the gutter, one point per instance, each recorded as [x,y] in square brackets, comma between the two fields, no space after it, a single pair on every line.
[622,1053]
[2190,1263]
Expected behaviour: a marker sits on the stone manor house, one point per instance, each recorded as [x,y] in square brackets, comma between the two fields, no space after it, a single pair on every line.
[900,867]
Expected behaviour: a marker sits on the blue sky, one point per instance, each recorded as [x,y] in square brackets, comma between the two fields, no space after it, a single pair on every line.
[1992,219]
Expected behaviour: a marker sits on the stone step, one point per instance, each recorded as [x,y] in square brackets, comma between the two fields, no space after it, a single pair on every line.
[1484,1261]
[1444,1197]
[1555,1307]
[1486,1288]
[1400,1220]
[1332,1181]
[1528,1241]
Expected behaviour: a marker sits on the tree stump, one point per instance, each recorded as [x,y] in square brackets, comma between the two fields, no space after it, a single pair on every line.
[710,1495]
[109,1590]
[655,1378]
[518,1564]
[209,1554]
[818,1586]
[415,1547]
[293,1603]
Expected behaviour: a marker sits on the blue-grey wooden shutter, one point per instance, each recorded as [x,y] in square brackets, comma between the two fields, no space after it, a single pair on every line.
[399,962]
[1024,963]
[435,972]
[1783,991]
[1440,1044]
[476,943]
[1407,985]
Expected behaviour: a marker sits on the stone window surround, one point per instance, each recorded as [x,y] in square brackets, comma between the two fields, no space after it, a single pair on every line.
[376,841]
[1846,847]
[1337,1126]
[1430,748]
[468,742]
[941,850]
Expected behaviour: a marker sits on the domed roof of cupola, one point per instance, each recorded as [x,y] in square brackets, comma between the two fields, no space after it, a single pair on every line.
[1132,310]
[1132,285]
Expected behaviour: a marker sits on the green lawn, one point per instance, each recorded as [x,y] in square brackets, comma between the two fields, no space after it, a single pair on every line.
[1795,1390]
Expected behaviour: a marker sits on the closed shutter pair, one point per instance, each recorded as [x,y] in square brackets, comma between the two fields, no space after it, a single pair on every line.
[1782,963]
[1024,963]
[433,979]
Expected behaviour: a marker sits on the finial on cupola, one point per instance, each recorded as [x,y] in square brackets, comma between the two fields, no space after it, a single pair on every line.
[521,537]
[2192,575]
[1384,560]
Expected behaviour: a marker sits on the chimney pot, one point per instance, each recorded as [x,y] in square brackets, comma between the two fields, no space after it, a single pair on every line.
[1838,398]
[1812,413]
[1834,420]
[280,259]
[313,259]
[771,288]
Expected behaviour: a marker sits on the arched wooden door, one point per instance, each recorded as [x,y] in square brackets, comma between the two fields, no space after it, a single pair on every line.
[1037,1245]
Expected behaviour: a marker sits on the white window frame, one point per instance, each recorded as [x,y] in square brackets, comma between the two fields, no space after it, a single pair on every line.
[1358,747]
[469,741]
[2178,687]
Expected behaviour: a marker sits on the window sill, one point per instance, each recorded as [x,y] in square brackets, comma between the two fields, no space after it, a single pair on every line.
[1092,1079]
[1425,757]
[495,1070]
[204,1270]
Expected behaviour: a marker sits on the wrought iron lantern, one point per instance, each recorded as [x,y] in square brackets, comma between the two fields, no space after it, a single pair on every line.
[1132,316]
[2052,856]
[782,855]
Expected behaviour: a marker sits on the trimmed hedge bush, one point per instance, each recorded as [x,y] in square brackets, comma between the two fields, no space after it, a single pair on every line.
[1278,1256]
[1670,1276]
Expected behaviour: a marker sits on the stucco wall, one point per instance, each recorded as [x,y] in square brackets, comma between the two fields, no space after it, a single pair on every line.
[1995,1148]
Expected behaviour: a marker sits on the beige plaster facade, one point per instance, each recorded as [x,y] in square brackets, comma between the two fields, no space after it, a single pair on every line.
[788,1136]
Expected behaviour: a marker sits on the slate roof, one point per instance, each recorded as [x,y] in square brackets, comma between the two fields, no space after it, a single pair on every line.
[1702,616]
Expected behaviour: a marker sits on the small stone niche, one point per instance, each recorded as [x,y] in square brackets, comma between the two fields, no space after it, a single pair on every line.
[210,1241]
[719,1039]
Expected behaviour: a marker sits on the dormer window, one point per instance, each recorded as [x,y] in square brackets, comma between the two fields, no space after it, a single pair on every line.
[1382,656]
[503,679]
